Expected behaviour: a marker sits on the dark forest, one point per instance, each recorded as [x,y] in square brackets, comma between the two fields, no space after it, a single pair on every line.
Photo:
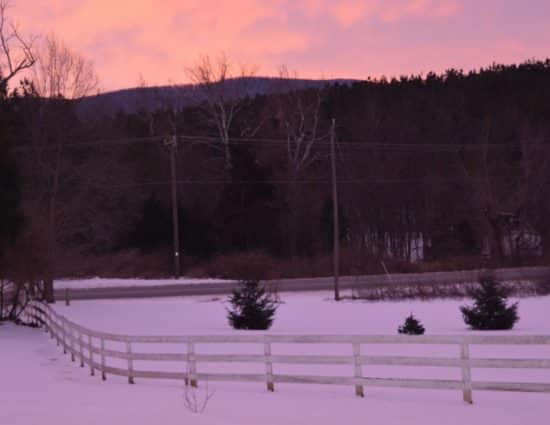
[434,172]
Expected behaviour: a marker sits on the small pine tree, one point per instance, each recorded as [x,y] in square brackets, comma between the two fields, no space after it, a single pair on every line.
[412,326]
[252,308]
[490,311]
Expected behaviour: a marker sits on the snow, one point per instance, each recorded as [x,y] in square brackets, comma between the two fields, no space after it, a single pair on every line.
[98,282]
[41,385]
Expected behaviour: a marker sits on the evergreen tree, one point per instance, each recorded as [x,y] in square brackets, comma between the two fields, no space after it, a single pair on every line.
[153,229]
[327,223]
[490,310]
[11,219]
[412,326]
[252,308]
[246,213]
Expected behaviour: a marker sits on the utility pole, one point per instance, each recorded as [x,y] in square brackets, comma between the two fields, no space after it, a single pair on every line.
[172,143]
[335,218]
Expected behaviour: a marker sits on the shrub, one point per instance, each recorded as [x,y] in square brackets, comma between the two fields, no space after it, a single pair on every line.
[490,311]
[252,308]
[242,266]
[412,326]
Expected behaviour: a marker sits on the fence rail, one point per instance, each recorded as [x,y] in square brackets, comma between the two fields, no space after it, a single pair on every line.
[89,347]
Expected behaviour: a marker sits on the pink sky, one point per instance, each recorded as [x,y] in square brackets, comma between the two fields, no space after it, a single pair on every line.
[155,40]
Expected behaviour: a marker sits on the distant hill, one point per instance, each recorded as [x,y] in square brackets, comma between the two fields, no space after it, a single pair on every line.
[180,96]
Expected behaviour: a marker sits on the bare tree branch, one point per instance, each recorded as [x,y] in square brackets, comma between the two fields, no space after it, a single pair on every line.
[222,88]
[16,51]
[63,73]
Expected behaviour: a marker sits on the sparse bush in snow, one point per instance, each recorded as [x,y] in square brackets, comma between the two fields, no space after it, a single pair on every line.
[22,272]
[490,311]
[251,308]
[412,326]
[196,401]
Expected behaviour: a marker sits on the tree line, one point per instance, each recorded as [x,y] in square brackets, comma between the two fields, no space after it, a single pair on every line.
[448,168]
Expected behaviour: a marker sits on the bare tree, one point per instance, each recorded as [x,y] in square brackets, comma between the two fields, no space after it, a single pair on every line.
[298,115]
[16,51]
[20,276]
[531,198]
[222,88]
[193,400]
[59,77]
[63,73]
[508,187]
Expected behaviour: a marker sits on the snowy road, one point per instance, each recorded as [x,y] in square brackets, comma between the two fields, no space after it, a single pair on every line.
[100,288]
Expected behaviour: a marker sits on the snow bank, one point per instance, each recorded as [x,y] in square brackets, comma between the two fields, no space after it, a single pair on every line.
[98,282]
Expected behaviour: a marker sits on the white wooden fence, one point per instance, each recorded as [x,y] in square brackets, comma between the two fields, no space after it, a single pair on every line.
[90,348]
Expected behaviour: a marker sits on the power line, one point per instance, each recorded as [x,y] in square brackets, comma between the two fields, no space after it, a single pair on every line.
[345,147]
[300,181]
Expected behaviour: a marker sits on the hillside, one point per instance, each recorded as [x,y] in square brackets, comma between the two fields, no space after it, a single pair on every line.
[178,97]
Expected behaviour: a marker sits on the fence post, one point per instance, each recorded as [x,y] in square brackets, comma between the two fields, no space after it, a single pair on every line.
[64,336]
[72,343]
[130,362]
[358,370]
[47,322]
[31,314]
[55,328]
[90,350]
[191,364]
[81,348]
[44,318]
[26,315]
[103,374]
[35,314]
[268,367]
[466,373]
[186,380]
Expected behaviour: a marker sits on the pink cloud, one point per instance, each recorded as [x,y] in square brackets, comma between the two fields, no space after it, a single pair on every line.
[418,9]
[340,38]
[178,31]
[348,13]
[447,9]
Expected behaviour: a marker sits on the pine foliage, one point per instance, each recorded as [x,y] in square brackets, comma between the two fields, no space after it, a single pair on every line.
[490,311]
[412,326]
[251,308]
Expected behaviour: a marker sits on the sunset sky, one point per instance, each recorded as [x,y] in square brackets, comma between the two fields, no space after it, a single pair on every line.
[155,40]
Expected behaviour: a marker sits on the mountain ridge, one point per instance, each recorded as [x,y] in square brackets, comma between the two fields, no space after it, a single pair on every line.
[130,100]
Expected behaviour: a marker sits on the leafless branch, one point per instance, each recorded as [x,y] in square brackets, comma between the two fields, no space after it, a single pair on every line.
[61,72]
[16,51]
[298,112]
[194,401]
[222,88]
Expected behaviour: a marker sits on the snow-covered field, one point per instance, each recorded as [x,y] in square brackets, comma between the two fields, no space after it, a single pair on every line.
[41,386]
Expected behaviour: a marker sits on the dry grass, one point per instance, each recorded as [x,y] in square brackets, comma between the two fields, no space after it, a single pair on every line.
[436,291]
[257,265]
[124,264]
